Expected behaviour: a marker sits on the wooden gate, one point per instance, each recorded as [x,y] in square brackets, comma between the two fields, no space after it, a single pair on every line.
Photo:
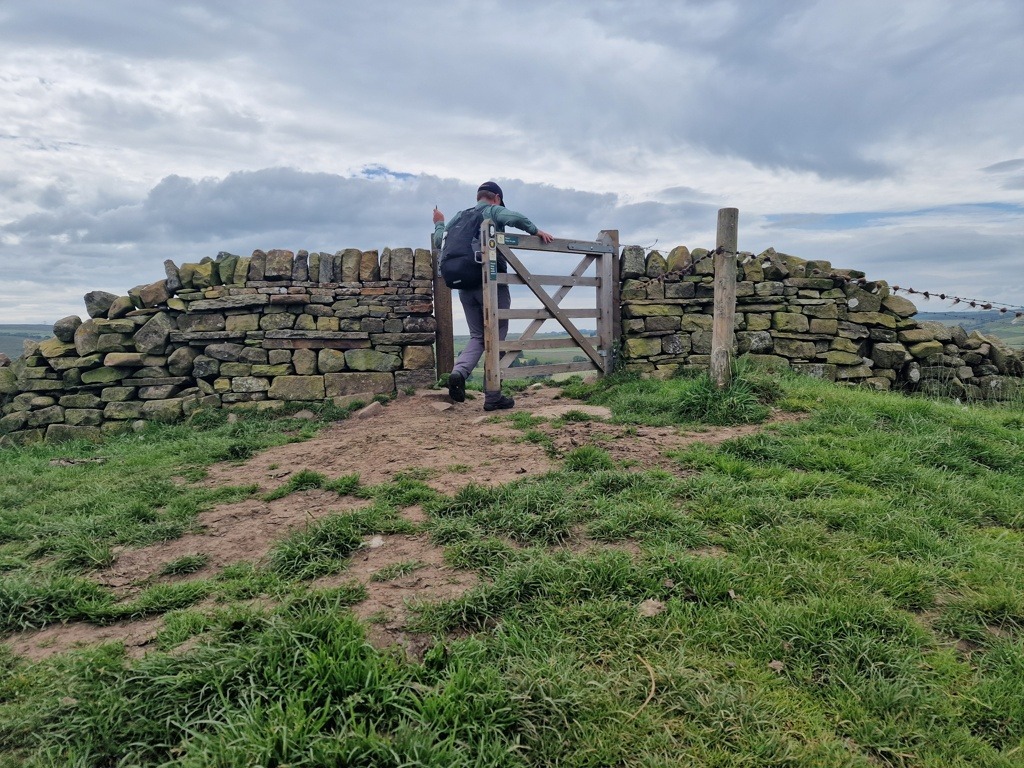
[598,350]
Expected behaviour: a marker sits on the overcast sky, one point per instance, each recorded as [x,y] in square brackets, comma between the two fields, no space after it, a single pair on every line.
[884,136]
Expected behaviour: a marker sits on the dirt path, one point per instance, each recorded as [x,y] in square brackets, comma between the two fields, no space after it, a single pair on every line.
[448,445]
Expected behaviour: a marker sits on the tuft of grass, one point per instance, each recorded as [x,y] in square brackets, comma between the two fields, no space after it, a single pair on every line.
[34,601]
[323,546]
[185,565]
[704,403]
[303,480]
[685,399]
[404,491]
[526,511]
[486,555]
[523,420]
[576,416]
[587,458]
[81,551]
[318,550]
[541,438]
[307,480]
[158,599]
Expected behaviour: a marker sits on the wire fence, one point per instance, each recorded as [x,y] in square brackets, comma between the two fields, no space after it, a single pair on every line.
[999,306]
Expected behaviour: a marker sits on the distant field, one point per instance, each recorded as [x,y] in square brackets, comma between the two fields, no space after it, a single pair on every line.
[569,354]
[12,336]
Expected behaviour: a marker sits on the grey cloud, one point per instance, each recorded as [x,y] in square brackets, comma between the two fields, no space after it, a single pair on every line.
[681,194]
[814,86]
[112,247]
[807,85]
[104,110]
[1008,169]
[353,210]
[142,29]
[52,197]
[1005,166]
[823,88]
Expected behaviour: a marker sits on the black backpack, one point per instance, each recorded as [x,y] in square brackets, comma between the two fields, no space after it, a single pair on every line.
[460,265]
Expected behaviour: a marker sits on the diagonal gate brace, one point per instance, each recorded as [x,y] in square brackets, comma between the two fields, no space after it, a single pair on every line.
[552,306]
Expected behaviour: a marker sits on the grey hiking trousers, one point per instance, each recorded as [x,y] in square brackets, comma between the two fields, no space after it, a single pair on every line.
[473,305]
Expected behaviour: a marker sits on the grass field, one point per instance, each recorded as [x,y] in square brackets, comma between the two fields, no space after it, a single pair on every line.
[570,353]
[842,590]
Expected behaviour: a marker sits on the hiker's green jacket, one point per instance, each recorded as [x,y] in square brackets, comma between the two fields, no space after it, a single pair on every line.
[499,214]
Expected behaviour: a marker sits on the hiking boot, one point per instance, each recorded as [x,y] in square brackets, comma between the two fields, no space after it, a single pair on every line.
[502,404]
[457,387]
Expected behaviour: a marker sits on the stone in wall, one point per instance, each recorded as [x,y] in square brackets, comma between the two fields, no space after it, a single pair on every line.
[98,302]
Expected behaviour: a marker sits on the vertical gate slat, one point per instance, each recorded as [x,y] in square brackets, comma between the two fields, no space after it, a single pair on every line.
[492,371]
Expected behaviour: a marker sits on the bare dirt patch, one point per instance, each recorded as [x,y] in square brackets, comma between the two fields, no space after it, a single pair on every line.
[230,533]
[137,636]
[448,444]
[454,446]
[462,443]
[392,597]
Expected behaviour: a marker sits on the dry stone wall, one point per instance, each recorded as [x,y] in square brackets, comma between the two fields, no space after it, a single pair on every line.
[825,322]
[252,332]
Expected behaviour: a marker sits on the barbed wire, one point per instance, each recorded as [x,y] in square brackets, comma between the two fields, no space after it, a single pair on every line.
[998,306]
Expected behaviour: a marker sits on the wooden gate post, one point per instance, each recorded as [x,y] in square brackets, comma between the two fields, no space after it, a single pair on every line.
[609,303]
[725,297]
[444,340]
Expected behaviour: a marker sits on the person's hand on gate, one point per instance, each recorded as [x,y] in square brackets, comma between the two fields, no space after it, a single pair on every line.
[438,216]
[544,236]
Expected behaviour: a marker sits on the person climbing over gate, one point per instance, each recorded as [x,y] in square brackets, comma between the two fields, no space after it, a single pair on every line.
[459,242]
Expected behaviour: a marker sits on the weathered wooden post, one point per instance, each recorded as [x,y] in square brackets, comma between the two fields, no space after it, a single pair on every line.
[444,340]
[610,300]
[725,297]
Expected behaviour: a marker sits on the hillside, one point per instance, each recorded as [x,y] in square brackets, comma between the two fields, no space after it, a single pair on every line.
[991,323]
[789,573]
[12,337]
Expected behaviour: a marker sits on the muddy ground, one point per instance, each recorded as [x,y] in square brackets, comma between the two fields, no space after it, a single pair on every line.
[448,444]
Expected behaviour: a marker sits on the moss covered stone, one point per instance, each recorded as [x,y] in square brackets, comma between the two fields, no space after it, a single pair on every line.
[297,388]
[371,360]
[643,346]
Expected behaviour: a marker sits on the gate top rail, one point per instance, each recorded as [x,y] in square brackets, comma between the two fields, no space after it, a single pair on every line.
[558,245]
